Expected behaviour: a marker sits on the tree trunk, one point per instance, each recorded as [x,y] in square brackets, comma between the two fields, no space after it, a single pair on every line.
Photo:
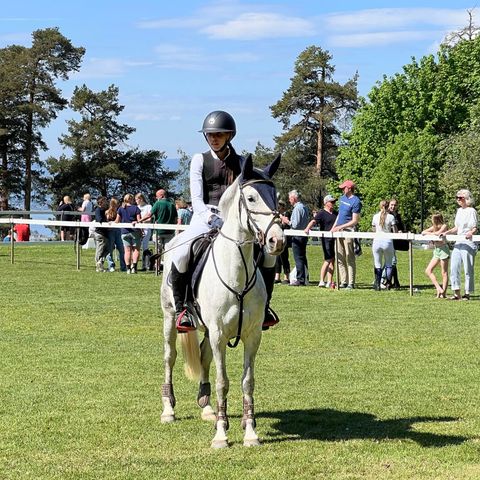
[319,163]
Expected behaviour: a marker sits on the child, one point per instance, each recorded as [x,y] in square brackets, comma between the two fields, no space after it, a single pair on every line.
[441,254]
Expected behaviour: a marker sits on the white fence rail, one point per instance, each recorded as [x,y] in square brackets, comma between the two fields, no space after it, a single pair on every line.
[410,237]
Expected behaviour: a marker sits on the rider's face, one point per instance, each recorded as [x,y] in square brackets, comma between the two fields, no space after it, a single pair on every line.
[217,140]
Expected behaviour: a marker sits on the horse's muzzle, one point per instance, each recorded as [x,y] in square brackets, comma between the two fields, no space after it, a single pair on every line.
[275,244]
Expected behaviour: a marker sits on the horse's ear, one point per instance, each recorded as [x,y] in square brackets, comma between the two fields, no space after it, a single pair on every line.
[247,168]
[273,167]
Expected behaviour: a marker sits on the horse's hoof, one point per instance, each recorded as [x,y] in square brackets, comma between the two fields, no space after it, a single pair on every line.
[219,444]
[252,442]
[208,414]
[167,418]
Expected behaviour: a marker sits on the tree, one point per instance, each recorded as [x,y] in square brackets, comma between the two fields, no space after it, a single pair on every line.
[34,99]
[461,161]
[101,163]
[399,130]
[312,109]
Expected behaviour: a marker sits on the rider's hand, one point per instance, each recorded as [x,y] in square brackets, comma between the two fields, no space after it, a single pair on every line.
[215,222]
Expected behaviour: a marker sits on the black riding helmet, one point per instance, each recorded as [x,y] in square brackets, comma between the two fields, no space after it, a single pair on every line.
[219,121]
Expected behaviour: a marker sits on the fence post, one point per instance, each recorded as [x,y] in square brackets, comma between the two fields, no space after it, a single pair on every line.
[12,242]
[77,245]
[335,246]
[410,262]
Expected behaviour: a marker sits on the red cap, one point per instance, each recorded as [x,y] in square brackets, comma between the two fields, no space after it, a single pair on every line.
[347,183]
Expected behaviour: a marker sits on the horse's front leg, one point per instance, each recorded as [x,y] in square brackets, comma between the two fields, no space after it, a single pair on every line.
[252,343]
[221,424]
[204,389]
[170,355]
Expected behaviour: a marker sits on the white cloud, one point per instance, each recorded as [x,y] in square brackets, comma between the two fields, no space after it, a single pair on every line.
[254,26]
[393,18]
[379,39]
[190,58]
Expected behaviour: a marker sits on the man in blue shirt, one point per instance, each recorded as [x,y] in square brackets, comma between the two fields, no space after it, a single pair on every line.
[349,208]
[298,221]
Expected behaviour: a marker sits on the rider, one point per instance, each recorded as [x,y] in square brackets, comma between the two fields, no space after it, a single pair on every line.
[210,175]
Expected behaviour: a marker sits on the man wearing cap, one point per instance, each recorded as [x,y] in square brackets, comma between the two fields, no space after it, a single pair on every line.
[349,209]
[325,219]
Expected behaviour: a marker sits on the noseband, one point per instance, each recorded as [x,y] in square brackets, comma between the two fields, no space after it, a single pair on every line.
[253,227]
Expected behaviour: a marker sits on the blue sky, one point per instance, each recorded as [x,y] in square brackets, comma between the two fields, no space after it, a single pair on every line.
[176,61]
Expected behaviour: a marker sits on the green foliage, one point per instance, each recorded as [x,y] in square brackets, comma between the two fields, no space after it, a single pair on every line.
[461,156]
[349,385]
[410,119]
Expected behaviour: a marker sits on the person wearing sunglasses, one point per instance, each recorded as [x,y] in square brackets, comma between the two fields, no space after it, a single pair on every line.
[464,250]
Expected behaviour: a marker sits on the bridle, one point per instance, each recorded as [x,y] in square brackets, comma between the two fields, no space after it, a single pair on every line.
[259,238]
[257,232]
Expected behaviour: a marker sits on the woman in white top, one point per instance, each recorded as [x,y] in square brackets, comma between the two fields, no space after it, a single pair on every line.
[383,222]
[464,250]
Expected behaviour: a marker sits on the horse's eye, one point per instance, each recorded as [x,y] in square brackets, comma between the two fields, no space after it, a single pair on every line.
[251,198]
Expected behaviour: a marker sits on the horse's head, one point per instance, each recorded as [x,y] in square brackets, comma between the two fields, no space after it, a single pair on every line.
[258,202]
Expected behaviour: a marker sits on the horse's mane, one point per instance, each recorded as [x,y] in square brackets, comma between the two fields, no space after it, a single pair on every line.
[227,198]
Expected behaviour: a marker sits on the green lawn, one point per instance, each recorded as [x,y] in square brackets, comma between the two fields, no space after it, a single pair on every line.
[351,384]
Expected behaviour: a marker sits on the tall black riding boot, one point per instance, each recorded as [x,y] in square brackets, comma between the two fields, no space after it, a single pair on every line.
[179,281]
[396,283]
[378,279]
[271,318]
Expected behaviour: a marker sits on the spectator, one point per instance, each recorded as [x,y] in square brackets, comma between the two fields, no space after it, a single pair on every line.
[441,254]
[397,244]
[22,231]
[86,208]
[382,248]
[101,235]
[464,250]
[115,238]
[164,212]
[131,237]
[145,209]
[66,233]
[184,215]
[282,261]
[348,217]
[325,219]
[298,221]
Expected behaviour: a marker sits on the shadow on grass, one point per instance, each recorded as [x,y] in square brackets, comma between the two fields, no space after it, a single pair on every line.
[334,425]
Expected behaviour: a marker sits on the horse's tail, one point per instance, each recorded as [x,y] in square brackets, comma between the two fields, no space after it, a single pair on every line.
[191,355]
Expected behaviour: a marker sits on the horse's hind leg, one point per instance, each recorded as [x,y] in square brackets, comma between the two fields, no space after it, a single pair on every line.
[250,438]
[204,389]
[170,355]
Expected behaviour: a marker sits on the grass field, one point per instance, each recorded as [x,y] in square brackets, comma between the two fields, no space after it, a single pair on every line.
[351,385]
